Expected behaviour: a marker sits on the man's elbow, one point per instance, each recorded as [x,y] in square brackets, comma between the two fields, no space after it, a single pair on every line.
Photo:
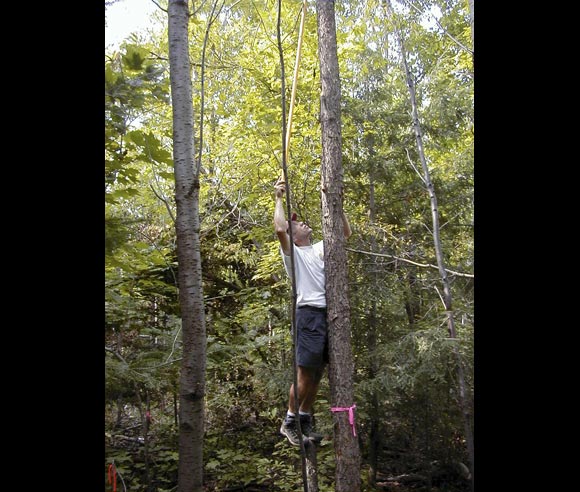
[347,231]
[284,241]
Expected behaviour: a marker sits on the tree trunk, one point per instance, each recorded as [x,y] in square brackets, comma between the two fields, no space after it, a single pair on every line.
[192,376]
[311,466]
[146,419]
[408,278]
[341,367]
[438,252]
[472,22]
[175,409]
[374,433]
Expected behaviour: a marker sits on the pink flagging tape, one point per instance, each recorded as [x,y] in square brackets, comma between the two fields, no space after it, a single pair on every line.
[350,411]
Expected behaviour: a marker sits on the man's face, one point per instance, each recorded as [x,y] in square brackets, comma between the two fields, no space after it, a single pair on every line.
[300,231]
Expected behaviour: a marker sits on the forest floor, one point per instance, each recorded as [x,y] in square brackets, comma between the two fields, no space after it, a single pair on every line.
[407,482]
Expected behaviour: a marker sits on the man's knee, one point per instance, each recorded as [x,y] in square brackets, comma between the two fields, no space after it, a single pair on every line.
[307,373]
[310,375]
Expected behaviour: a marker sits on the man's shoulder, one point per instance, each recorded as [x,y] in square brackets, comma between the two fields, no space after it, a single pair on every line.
[318,248]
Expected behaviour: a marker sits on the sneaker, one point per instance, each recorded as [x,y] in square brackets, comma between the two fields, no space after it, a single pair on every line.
[289,430]
[307,427]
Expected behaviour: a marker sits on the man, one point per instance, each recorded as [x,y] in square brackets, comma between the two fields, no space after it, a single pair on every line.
[311,326]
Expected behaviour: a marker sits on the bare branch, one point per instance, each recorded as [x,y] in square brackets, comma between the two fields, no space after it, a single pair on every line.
[458,43]
[224,217]
[117,354]
[167,361]
[413,166]
[157,56]
[159,6]
[164,201]
[428,265]
[120,357]
[440,297]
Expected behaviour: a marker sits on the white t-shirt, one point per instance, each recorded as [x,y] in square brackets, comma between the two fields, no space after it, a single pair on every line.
[309,270]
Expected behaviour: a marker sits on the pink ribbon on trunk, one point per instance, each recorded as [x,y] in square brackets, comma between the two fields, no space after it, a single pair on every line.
[350,411]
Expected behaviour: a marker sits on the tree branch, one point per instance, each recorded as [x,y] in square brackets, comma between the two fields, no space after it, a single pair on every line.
[167,361]
[159,6]
[119,356]
[413,166]
[164,201]
[428,265]
[458,43]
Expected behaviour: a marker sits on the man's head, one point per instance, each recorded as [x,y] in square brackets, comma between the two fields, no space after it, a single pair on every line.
[301,232]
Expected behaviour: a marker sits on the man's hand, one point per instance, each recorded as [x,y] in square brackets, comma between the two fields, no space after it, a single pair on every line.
[280,187]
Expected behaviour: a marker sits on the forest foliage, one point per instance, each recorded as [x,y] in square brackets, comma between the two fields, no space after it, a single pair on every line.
[402,350]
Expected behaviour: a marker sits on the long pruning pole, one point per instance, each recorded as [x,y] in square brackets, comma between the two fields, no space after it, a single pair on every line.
[295,79]
[285,142]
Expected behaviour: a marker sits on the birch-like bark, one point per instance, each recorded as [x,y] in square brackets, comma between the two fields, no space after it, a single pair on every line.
[341,367]
[192,376]
[447,299]
[472,22]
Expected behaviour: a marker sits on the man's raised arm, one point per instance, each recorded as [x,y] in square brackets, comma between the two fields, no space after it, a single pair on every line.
[280,222]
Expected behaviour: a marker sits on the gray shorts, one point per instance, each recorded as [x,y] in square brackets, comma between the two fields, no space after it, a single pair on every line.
[312,339]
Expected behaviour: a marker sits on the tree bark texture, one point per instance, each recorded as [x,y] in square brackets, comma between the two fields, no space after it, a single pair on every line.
[341,367]
[311,466]
[192,376]
[472,22]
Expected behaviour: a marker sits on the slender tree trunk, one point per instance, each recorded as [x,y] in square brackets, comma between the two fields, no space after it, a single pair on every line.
[192,376]
[438,252]
[472,22]
[341,367]
[119,412]
[412,304]
[411,301]
[144,430]
[374,434]
[210,21]
[146,419]
[175,409]
[427,424]
[119,400]
[311,466]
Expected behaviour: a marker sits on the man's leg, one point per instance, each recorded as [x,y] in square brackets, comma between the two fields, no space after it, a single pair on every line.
[308,382]
[311,357]
[314,376]
[310,378]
